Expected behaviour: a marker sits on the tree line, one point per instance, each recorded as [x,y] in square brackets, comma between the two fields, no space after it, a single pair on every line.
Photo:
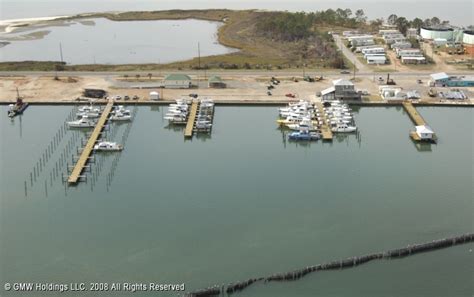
[287,26]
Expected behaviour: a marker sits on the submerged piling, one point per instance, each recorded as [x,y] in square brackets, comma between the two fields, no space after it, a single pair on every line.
[338,264]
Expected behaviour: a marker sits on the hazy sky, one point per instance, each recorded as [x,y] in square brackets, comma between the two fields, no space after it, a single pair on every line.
[459,12]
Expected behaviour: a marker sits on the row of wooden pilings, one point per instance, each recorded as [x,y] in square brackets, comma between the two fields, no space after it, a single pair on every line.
[339,264]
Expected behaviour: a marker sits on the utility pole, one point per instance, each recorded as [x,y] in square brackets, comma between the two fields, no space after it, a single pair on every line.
[61,52]
[199,56]
[354,70]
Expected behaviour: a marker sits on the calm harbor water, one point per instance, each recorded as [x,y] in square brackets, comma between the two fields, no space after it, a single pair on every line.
[459,12]
[109,42]
[241,203]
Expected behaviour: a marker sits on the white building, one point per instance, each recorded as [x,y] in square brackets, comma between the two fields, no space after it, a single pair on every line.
[440,42]
[401,45]
[413,60]
[359,49]
[424,132]
[342,89]
[154,96]
[433,33]
[388,31]
[409,52]
[412,33]
[374,50]
[177,81]
[376,59]
[390,41]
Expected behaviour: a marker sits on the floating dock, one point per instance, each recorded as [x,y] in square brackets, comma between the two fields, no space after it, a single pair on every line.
[417,120]
[87,151]
[188,132]
[325,129]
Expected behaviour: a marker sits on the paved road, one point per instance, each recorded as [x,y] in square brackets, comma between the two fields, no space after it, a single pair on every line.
[350,55]
[229,73]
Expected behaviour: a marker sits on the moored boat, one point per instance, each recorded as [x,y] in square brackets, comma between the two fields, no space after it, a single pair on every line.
[108,146]
[82,123]
[18,107]
[304,135]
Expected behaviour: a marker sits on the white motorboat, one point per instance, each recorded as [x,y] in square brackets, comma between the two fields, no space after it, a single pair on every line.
[203,125]
[343,128]
[82,123]
[175,118]
[121,109]
[340,121]
[177,111]
[89,108]
[88,114]
[120,117]
[108,146]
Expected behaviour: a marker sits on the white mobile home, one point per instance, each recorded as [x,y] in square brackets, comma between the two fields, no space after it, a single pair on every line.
[388,31]
[401,45]
[395,40]
[360,48]
[376,60]
[375,50]
[411,52]
[413,60]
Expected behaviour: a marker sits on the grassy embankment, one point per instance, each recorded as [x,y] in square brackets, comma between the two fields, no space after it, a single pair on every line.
[239,30]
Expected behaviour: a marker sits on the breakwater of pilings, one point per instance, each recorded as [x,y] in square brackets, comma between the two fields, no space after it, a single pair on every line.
[351,262]
[49,160]
[111,174]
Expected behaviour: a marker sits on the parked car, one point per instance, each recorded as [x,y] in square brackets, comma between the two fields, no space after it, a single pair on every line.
[345,72]
[118,97]
[135,97]
[269,93]
[193,95]
[126,97]
[291,95]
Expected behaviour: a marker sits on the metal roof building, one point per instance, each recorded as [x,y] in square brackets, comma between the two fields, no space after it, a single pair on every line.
[177,81]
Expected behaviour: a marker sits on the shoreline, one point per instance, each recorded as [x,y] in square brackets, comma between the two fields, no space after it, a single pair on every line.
[12,25]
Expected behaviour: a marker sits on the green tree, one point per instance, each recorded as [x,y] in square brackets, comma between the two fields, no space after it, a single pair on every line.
[402,24]
[435,21]
[392,19]
[360,16]
[416,23]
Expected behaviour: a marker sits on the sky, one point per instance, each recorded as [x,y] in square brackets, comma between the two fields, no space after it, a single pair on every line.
[458,12]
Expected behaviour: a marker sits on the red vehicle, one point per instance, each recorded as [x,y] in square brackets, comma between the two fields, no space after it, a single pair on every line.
[291,95]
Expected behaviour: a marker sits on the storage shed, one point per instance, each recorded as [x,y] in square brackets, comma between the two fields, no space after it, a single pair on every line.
[154,96]
[216,82]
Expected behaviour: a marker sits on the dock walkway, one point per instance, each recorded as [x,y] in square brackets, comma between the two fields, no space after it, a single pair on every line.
[416,118]
[325,129]
[188,132]
[414,115]
[86,152]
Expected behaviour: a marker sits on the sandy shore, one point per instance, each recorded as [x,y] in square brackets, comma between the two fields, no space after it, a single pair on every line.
[12,25]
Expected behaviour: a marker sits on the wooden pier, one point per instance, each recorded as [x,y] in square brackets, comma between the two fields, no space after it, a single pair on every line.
[87,151]
[188,132]
[416,118]
[325,129]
